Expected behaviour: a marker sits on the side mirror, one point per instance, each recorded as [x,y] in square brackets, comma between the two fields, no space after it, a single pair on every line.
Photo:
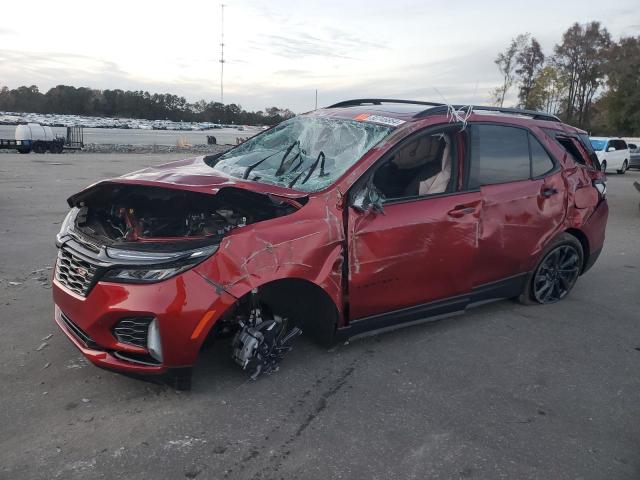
[368,198]
[611,149]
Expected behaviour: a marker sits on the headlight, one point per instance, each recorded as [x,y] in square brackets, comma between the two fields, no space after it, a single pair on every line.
[149,267]
[67,223]
[143,275]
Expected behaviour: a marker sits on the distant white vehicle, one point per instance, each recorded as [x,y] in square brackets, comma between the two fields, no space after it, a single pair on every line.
[613,153]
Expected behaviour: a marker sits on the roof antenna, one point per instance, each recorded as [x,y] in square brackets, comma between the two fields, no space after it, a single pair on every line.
[456,115]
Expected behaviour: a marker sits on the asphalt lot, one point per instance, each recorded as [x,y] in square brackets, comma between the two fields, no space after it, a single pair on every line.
[505,391]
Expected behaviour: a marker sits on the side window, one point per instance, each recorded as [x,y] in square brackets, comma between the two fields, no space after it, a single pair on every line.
[586,144]
[541,163]
[622,145]
[498,154]
[422,165]
[572,149]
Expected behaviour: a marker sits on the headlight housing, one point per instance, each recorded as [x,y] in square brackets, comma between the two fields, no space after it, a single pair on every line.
[67,224]
[142,275]
[149,267]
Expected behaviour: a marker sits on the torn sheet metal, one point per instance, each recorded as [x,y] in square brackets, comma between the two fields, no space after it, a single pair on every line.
[306,245]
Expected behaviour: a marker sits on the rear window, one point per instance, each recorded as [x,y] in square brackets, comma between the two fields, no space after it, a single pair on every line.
[571,149]
[499,155]
[585,141]
[541,163]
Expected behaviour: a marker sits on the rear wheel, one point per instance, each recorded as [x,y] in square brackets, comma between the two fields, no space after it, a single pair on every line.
[625,166]
[39,148]
[556,272]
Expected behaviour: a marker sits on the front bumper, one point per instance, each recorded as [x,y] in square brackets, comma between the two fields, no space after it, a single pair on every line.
[185,307]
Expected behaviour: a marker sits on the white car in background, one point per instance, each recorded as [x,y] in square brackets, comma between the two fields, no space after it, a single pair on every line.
[613,153]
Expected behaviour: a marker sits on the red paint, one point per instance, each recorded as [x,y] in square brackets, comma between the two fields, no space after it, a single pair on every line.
[415,252]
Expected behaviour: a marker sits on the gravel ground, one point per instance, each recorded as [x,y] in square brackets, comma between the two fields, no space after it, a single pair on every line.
[505,391]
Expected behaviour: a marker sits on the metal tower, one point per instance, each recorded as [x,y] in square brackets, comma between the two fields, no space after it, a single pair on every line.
[222,55]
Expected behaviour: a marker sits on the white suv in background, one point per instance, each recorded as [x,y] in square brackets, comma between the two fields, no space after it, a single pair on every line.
[613,153]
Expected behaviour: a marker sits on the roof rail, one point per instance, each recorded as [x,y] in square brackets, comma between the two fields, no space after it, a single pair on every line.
[379,101]
[438,110]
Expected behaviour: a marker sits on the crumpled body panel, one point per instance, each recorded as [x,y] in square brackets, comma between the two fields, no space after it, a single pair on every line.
[306,245]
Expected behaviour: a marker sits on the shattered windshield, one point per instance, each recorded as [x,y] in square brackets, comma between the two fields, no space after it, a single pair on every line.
[304,153]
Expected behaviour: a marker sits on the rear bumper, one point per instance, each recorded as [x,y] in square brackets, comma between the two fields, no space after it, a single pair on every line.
[593,256]
[185,307]
[594,228]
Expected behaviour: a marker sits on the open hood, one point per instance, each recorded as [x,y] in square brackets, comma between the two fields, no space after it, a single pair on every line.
[191,174]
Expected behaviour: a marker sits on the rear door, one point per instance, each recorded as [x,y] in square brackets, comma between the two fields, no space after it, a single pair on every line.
[523,199]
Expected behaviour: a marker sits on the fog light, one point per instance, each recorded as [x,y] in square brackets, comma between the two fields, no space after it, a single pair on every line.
[154,344]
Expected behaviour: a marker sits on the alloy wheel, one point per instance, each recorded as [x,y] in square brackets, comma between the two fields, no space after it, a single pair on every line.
[556,274]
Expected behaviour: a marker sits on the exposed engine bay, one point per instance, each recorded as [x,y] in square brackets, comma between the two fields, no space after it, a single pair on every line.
[115,214]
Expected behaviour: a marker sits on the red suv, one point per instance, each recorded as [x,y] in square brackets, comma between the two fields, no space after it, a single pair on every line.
[366,215]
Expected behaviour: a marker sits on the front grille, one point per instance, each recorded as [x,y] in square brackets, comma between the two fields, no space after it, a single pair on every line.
[133,331]
[75,273]
[78,332]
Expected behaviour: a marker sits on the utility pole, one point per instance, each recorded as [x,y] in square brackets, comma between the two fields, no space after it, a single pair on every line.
[316,99]
[222,54]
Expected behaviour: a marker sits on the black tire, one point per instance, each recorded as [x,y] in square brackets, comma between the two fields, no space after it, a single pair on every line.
[555,273]
[625,166]
[39,148]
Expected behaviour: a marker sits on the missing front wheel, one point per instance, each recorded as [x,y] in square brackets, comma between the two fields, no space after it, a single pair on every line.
[262,341]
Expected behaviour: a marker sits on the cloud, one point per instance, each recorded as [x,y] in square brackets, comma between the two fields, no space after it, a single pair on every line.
[466,77]
[47,67]
[296,42]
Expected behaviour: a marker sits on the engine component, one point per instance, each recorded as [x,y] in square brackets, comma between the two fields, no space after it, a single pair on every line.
[260,344]
[134,214]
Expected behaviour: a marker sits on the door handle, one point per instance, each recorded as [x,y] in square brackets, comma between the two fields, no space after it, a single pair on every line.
[548,191]
[461,210]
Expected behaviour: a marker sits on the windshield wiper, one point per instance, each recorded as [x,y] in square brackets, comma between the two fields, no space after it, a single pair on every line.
[248,170]
[312,168]
[281,169]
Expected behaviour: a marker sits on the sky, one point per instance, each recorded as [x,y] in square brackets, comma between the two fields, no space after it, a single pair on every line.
[279,52]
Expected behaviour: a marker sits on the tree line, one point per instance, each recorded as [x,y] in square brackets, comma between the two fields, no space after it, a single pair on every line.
[589,80]
[64,99]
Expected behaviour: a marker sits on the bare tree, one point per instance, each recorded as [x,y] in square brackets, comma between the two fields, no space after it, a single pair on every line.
[581,59]
[529,62]
[506,62]
[548,91]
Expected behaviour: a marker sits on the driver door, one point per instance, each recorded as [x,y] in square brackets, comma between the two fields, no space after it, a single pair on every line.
[419,249]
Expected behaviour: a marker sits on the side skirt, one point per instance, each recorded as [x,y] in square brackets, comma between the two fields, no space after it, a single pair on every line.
[433,311]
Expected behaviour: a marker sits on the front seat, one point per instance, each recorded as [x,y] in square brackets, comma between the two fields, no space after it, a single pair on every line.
[439,182]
